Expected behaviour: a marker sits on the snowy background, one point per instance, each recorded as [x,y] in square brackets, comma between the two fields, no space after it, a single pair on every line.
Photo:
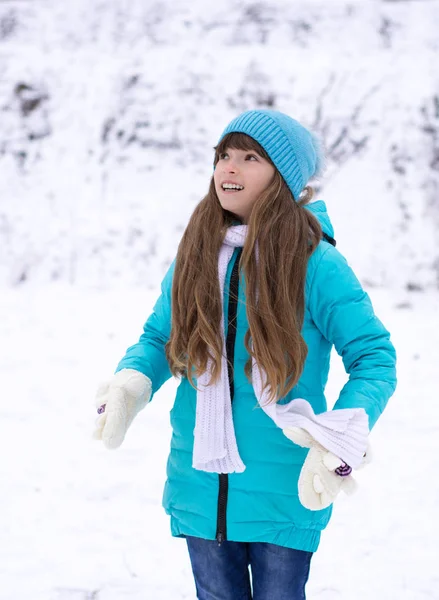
[108,115]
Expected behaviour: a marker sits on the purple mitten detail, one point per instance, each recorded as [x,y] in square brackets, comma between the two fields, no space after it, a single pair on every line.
[344,470]
[101,409]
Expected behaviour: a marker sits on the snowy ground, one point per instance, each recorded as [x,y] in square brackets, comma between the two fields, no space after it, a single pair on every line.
[80,522]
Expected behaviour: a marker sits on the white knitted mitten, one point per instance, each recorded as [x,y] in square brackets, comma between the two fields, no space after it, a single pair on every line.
[318,484]
[122,397]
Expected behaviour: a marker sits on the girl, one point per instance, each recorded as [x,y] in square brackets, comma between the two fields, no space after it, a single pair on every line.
[248,313]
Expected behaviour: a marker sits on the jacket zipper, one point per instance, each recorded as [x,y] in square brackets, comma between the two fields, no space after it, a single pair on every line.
[221,527]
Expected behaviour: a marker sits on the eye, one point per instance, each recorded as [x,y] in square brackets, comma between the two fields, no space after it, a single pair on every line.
[224,154]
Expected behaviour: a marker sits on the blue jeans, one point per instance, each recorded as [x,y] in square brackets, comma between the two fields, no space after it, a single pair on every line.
[222,572]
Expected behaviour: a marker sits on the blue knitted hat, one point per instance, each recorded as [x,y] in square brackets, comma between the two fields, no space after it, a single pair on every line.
[296,152]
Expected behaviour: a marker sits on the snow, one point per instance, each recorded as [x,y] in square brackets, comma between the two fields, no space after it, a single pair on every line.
[100,102]
[109,112]
[79,520]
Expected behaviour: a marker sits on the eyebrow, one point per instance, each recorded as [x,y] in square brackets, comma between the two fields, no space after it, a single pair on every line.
[246,151]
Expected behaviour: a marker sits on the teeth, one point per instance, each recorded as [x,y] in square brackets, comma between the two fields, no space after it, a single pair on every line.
[232,186]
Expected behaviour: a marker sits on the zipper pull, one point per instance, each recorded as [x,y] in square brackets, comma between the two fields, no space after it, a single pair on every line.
[220,538]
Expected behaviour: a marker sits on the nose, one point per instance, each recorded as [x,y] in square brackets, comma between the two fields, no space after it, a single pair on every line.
[230,166]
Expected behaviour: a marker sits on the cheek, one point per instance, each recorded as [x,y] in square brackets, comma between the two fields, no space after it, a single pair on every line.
[264,182]
[258,185]
[216,180]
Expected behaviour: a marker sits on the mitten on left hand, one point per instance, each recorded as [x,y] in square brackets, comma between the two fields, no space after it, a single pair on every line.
[319,485]
[118,401]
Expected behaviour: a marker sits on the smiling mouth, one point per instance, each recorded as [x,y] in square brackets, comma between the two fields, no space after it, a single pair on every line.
[231,190]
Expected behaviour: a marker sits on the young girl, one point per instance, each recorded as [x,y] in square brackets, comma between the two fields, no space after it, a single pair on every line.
[248,313]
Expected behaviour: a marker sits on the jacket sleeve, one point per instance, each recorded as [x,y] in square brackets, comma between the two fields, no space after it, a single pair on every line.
[148,354]
[343,313]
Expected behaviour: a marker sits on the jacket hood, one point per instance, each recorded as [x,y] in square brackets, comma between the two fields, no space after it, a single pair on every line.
[319,210]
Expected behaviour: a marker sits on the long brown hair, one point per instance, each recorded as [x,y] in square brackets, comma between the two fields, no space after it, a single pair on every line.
[287,234]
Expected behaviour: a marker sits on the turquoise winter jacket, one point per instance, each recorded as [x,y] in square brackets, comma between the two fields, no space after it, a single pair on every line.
[261,504]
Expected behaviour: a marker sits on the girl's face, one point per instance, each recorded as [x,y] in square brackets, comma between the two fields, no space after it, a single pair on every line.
[250,171]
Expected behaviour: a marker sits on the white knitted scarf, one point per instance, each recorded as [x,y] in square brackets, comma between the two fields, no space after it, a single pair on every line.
[343,432]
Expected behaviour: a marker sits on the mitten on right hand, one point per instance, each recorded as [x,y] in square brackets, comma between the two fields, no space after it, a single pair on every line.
[122,397]
[319,483]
